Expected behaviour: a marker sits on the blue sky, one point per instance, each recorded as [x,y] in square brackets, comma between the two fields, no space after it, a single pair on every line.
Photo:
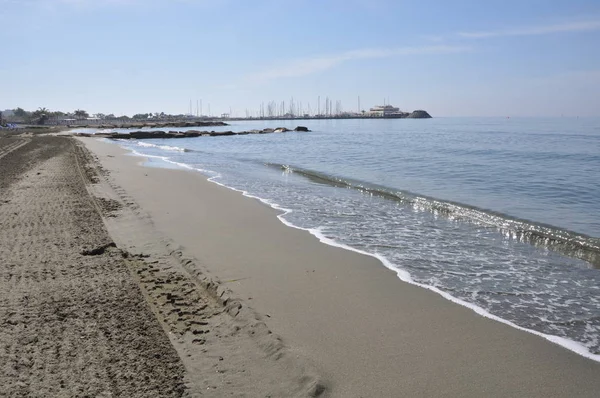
[452,58]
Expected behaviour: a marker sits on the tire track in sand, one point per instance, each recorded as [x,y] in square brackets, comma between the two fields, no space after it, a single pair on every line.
[70,324]
[12,145]
[226,347]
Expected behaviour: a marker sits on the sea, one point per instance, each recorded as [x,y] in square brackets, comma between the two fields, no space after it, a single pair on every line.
[501,215]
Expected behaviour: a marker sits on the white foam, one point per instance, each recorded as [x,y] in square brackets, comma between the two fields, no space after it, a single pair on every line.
[150,145]
[403,275]
[167,160]
[164,147]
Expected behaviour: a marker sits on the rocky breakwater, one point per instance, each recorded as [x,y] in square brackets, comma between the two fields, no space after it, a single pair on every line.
[140,135]
[418,114]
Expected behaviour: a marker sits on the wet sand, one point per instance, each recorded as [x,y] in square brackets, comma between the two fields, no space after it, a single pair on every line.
[344,325]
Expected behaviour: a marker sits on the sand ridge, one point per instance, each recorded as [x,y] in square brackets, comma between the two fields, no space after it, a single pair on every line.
[72,320]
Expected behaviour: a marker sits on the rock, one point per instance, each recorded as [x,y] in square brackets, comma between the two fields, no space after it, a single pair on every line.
[419,114]
[221,133]
[146,134]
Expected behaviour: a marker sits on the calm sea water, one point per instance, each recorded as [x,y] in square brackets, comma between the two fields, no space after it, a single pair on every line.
[501,215]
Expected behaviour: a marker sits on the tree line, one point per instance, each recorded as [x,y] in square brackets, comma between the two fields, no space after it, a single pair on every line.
[43,116]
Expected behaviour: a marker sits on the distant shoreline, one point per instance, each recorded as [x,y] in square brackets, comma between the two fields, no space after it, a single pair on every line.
[205,121]
[222,121]
[417,114]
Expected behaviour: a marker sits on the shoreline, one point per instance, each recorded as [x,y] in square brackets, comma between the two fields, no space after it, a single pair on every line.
[403,275]
[360,265]
[567,242]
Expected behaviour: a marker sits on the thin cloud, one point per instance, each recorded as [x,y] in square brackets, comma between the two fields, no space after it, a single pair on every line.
[582,26]
[307,66]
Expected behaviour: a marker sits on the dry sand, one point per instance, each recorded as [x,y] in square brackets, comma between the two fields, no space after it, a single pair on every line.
[72,320]
[341,315]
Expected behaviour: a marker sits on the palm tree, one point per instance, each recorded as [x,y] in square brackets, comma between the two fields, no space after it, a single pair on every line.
[41,115]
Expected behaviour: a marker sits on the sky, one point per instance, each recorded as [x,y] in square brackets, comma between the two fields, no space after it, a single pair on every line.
[451,58]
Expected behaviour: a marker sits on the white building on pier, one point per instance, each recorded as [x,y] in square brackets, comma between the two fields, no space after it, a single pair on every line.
[384,111]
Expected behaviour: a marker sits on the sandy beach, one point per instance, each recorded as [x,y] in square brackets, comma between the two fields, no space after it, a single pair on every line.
[359,327]
[120,279]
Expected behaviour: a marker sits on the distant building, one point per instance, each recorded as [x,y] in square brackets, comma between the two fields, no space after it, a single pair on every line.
[384,111]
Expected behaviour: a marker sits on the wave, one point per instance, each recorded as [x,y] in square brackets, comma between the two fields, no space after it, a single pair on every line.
[150,145]
[404,275]
[563,241]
